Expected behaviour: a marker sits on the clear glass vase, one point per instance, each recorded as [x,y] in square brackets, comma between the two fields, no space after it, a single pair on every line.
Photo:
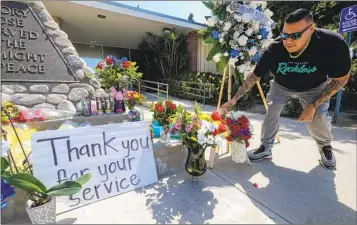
[195,162]
[165,135]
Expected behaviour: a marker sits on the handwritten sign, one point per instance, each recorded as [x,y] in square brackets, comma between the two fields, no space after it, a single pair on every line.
[27,52]
[348,20]
[255,14]
[119,157]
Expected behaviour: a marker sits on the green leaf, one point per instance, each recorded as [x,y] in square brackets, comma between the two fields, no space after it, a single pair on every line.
[65,189]
[84,179]
[208,4]
[222,64]
[209,40]
[4,164]
[216,49]
[27,182]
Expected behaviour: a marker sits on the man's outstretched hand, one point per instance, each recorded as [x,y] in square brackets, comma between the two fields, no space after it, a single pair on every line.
[226,107]
[308,114]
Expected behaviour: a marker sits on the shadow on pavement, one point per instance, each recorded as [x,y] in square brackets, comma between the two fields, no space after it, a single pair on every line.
[177,200]
[296,196]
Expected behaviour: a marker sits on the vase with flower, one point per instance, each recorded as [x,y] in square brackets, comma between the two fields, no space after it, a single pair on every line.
[133,98]
[198,131]
[239,134]
[164,115]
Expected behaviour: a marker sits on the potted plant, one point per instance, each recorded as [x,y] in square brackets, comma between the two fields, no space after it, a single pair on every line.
[239,133]
[41,205]
[133,98]
[164,115]
[198,131]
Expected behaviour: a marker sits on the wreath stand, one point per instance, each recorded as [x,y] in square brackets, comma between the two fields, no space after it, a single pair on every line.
[215,150]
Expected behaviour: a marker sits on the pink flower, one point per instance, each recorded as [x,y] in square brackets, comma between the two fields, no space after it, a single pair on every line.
[188,127]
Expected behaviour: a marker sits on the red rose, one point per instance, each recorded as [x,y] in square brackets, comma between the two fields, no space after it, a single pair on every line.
[109,61]
[245,138]
[100,65]
[126,64]
[159,108]
[173,106]
[229,138]
[215,116]
[215,132]
[222,128]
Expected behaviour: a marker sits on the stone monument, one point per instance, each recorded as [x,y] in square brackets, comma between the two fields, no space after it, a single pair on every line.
[40,68]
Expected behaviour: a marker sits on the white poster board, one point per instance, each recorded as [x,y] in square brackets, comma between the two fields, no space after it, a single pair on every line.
[119,157]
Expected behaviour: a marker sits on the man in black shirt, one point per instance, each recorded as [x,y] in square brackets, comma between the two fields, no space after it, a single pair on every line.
[308,63]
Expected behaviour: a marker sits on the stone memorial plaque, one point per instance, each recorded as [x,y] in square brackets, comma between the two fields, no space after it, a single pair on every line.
[28,54]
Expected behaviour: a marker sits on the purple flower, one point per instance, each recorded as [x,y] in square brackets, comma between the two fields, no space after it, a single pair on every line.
[124,59]
[233,53]
[244,132]
[251,41]
[215,34]
[259,8]
[6,192]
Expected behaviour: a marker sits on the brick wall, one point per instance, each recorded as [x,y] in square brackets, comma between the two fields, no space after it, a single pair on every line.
[192,50]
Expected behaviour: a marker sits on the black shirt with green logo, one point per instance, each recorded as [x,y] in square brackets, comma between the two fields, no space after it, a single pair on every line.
[327,56]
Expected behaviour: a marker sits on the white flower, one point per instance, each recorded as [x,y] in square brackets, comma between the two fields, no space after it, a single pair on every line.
[270,35]
[249,31]
[212,21]
[266,43]
[236,35]
[241,68]
[263,4]
[241,53]
[242,40]
[217,57]
[254,4]
[225,54]
[227,26]
[246,17]
[221,40]
[237,17]
[259,36]
[256,25]
[242,57]
[268,13]
[232,61]
[201,138]
[252,51]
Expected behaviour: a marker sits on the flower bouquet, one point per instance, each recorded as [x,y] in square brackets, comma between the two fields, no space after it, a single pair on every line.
[132,98]
[117,73]
[164,115]
[198,131]
[239,133]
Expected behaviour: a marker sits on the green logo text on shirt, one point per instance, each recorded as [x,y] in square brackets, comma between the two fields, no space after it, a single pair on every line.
[284,68]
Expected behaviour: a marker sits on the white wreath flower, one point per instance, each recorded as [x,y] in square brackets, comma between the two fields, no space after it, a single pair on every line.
[243,30]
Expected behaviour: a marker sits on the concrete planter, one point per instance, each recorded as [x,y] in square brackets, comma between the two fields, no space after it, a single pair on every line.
[44,214]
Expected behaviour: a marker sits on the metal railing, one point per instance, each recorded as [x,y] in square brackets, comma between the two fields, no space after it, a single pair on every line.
[150,87]
[201,91]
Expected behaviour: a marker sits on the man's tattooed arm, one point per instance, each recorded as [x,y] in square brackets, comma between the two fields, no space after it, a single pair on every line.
[248,83]
[332,88]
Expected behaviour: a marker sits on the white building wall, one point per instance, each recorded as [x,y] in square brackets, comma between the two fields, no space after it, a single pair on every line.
[202,52]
